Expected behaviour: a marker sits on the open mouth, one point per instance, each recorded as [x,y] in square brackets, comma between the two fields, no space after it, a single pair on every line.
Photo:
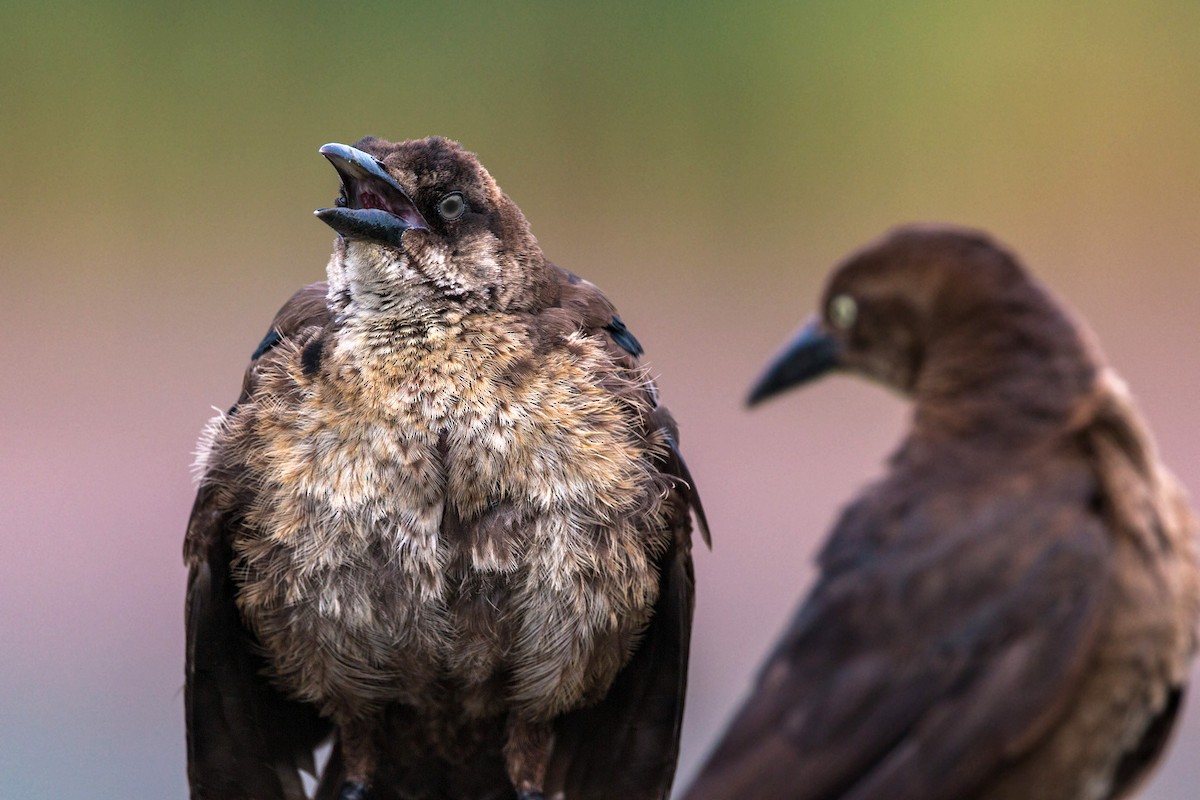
[372,205]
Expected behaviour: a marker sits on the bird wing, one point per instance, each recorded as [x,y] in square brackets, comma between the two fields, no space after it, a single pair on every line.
[245,740]
[627,744]
[921,664]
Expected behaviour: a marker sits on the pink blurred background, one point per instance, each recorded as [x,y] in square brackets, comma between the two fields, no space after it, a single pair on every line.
[705,165]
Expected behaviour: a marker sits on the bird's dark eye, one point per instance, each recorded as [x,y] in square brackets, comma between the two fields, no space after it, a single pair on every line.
[452,206]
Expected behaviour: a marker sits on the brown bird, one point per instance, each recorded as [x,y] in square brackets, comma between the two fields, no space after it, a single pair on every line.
[446,519]
[1010,613]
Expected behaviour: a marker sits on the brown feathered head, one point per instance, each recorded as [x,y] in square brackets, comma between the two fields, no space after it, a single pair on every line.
[422,224]
[936,312]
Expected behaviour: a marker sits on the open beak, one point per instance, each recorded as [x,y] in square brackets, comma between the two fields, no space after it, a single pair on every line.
[811,353]
[373,205]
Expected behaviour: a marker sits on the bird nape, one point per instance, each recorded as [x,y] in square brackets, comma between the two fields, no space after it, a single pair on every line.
[1010,612]
[446,521]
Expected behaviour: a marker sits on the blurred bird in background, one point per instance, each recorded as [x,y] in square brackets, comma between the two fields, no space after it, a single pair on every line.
[1011,612]
[447,519]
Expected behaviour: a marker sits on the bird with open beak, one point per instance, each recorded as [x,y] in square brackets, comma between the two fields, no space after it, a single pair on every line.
[446,521]
[1011,611]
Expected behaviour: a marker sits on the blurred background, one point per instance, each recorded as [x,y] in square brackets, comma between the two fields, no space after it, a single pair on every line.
[705,163]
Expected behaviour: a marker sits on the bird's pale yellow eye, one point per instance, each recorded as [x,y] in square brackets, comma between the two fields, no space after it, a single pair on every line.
[452,206]
[843,311]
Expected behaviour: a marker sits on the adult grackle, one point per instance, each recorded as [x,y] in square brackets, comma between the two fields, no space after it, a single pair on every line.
[1011,611]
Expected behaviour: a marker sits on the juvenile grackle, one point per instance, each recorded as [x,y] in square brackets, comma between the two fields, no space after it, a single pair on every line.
[446,520]
[1010,613]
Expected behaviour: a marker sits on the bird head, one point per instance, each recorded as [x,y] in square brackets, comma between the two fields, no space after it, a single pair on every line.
[422,224]
[933,311]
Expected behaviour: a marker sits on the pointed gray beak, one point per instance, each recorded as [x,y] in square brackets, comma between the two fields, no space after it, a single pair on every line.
[811,353]
[373,205]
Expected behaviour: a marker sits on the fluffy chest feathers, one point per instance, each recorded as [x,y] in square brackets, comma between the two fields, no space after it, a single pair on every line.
[503,415]
[448,492]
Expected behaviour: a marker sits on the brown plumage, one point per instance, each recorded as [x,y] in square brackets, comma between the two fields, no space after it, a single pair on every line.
[446,519]
[1010,613]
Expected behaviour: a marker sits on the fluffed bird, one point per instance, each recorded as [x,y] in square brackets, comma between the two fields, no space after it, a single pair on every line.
[446,521]
[1011,611]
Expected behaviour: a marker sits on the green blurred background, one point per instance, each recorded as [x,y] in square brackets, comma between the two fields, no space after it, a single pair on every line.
[705,163]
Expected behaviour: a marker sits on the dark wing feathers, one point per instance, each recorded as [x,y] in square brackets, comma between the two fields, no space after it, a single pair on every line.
[234,717]
[1009,689]
[915,676]
[1133,768]
[677,468]
[268,342]
[624,337]
[245,739]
